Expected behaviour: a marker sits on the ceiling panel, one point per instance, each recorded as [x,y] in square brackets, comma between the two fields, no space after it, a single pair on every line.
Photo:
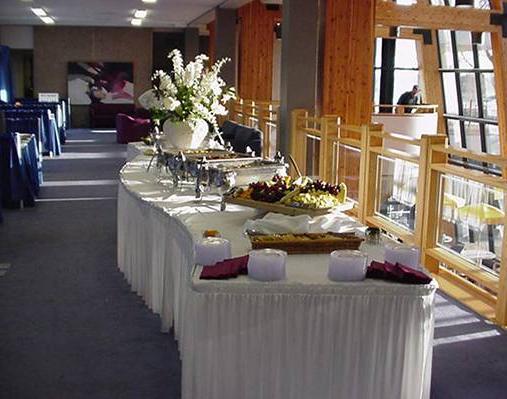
[163,14]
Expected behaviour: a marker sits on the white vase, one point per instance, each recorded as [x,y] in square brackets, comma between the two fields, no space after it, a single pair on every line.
[184,135]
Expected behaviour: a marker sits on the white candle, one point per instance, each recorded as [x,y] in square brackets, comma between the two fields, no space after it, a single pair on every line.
[211,250]
[405,255]
[347,265]
[267,264]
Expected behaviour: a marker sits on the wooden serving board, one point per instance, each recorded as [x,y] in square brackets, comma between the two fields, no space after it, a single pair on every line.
[285,209]
[309,243]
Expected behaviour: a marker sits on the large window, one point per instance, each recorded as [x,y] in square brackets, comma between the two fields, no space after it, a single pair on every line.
[396,69]
[468,83]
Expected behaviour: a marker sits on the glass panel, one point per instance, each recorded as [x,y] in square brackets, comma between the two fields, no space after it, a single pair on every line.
[349,161]
[404,81]
[378,52]
[312,156]
[470,222]
[453,130]
[444,40]
[473,136]
[492,139]
[376,88]
[477,3]
[489,95]
[396,191]
[485,52]
[406,54]
[464,46]
[469,94]
[450,93]
[437,3]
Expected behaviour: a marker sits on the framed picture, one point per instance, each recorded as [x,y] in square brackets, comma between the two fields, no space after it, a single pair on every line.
[100,82]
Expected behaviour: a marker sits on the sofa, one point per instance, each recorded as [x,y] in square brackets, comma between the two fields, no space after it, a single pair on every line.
[129,128]
[241,137]
[104,115]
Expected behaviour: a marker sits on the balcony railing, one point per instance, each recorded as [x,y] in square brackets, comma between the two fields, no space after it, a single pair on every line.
[407,187]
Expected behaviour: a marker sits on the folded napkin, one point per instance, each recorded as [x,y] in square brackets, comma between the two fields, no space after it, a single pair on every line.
[276,223]
[225,269]
[397,273]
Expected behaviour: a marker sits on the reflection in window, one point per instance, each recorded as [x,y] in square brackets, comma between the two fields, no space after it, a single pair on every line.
[471,222]
[397,186]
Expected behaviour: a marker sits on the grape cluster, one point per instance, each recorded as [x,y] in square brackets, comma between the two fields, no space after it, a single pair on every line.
[319,185]
[272,191]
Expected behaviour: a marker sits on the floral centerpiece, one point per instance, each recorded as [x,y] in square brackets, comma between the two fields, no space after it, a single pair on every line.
[188,100]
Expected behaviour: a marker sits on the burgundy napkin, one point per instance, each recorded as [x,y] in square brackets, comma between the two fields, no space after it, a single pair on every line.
[398,273]
[225,269]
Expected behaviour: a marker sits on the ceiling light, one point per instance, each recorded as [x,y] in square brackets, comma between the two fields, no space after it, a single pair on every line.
[48,20]
[136,21]
[149,1]
[140,14]
[39,12]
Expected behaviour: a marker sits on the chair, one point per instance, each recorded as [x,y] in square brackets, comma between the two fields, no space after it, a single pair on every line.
[130,129]
[241,137]
[104,115]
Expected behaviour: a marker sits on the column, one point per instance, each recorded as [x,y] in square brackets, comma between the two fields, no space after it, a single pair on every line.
[226,42]
[302,49]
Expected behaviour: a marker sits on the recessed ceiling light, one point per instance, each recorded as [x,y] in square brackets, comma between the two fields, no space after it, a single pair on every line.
[136,21]
[140,14]
[48,20]
[39,12]
[149,1]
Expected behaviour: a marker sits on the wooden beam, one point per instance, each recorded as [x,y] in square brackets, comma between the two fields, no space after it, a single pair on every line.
[423,15]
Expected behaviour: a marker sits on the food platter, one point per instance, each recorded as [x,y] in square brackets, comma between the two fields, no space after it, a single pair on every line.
[286,209]
[283,194]
[308,243]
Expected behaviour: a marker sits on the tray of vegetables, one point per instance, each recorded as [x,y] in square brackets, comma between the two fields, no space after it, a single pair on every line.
[289,196]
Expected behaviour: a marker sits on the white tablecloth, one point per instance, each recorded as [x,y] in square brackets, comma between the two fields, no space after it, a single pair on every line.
[306,337]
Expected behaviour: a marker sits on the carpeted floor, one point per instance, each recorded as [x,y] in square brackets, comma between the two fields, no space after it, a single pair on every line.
[71,328]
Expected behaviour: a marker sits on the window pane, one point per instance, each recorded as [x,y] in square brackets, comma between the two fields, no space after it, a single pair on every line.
[489,95]
[469,94]
[378,52]
[450,93]
[405,54]
[376,88]
[485,52]
[404,81]
[492,139]
[454,134]
[473,136]
[464,46]
[444,40]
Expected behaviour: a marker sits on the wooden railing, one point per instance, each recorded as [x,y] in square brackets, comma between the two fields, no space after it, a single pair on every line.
[401,109]
[261,115]
[383,169]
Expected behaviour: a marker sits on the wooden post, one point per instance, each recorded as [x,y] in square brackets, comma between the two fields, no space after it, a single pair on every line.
[432,200]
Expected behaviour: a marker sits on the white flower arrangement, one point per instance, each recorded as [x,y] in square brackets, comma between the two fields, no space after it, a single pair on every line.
[188,93]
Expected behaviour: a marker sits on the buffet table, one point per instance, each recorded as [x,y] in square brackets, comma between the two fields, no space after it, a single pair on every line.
[304,337]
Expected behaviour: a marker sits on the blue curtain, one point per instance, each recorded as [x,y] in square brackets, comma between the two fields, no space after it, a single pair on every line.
[6,92]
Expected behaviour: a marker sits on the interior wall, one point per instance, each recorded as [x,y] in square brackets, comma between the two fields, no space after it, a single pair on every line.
[55,46]
[348,59]
[212,42]
[17,37]
[256,42]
